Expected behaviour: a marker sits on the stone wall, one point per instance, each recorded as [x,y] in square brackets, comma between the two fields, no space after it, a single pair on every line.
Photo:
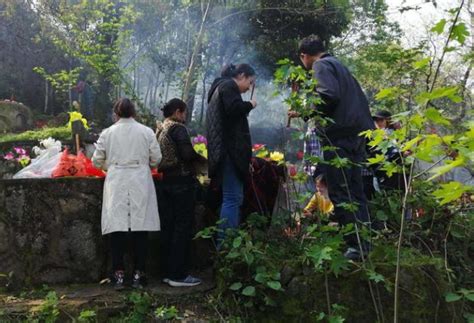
[50,232]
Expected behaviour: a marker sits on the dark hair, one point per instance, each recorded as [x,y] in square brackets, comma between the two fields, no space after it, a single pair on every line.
[172,105]
[124,108]
[382,114]
[232,70]
[311,45]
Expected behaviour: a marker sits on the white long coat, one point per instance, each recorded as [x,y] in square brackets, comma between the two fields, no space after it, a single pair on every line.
[127,150]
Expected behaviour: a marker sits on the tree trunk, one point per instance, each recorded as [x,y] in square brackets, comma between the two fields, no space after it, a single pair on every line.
[168,81]
[46,96]
[203,98]
[190,82]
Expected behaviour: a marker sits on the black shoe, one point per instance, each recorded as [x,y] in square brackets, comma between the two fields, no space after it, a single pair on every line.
[139,279]
[118,277]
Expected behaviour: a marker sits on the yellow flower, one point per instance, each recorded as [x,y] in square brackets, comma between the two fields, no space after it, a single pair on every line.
[73,116]
[276,156]
[201,149]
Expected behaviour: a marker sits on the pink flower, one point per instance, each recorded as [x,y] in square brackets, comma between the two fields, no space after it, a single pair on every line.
[9,156]
[199,139]
[20,151]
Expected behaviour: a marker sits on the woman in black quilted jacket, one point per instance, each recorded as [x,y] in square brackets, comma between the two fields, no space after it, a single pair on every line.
[228,136]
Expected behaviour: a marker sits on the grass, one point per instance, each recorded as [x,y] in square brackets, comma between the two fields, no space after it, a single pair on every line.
[58,133]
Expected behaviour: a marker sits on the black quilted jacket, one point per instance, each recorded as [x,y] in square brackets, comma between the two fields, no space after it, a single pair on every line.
[228,131]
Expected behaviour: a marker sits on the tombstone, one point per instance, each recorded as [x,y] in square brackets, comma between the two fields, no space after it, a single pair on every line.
[14,116]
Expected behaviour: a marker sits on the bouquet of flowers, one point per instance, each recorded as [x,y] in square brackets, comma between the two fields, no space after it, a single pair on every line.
[200,145]
[19,155]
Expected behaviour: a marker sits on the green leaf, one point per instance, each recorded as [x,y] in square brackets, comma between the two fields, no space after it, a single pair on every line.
[338,264]
[249,291]
[318,254]
[336,319]
[260,278]
[276,285]
[450,165]
[439,27]
[435,116]
[469,317]
[450,191]
[236,286]
[249,258]
[422,63]
[377,159]
[450,93]
[376,277]
[381,215]
[387,93]
[452,297]
[237,242]
[460,33]
[470,296]
[409,144]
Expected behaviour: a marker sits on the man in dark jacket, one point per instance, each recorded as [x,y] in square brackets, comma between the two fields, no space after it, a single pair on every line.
[345,103]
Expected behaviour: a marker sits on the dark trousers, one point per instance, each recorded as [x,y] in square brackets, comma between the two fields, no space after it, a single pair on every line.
[345,184]
[176,202]
[118,241]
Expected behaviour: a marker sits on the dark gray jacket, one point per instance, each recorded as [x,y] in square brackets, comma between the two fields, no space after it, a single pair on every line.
[344,101]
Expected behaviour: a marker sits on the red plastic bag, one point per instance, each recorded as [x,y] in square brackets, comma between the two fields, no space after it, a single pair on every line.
[91,170]
[156,174]
[70,165]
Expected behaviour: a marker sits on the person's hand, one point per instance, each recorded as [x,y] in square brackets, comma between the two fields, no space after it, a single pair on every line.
[254,103]
[307,213]
[293,114]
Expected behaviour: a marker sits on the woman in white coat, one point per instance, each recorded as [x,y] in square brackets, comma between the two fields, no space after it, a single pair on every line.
[127,150]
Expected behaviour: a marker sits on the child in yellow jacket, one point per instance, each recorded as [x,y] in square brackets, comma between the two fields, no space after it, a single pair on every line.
[320,201]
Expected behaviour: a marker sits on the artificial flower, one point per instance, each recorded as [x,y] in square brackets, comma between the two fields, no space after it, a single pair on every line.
[9,156]
[73,116]
[199,139]
[299,155]
[20,151]
[276,156]
[292,170]
[23,160]
[201,149]
[257,147]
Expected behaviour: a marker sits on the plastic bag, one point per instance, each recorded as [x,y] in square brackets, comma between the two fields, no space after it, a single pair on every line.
[91,170]
[156,174]
[71,165]
[43,165]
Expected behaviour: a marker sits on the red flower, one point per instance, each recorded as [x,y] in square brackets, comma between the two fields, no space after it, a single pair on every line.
[299,155]
[292,170]
[257,147]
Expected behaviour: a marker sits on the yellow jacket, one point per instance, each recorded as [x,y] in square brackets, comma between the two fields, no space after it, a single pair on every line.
[319,203]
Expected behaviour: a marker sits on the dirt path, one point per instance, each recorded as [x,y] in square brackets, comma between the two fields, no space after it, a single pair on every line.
[191,303]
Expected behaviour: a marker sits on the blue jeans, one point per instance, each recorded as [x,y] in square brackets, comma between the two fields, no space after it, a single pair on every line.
[232,198]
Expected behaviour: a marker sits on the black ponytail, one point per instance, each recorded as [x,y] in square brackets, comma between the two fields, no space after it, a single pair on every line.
[172,105]
[232,70]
